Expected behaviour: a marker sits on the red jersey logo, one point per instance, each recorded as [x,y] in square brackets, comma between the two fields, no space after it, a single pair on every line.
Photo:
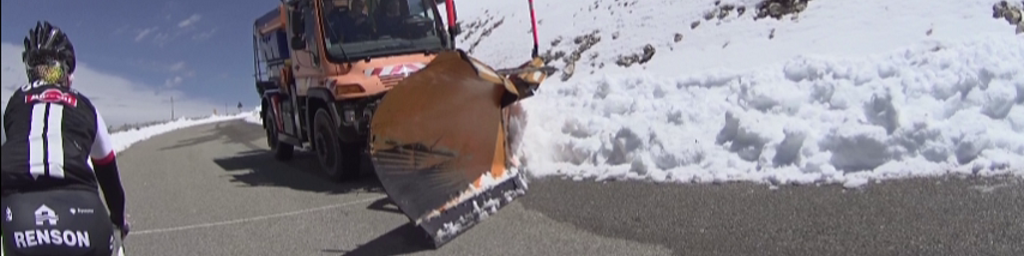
[53,96]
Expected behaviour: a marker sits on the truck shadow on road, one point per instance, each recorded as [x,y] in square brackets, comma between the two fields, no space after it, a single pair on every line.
[230,132]
[259,168]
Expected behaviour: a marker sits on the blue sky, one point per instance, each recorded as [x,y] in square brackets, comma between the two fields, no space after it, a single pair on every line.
[198,50]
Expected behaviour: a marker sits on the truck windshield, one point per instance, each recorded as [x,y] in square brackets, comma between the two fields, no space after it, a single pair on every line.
[369,28]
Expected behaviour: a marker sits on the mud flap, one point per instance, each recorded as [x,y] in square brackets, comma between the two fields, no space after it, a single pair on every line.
[439,146]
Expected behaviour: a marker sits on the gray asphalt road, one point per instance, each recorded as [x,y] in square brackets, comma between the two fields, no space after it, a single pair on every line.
[214,190]
[912,217]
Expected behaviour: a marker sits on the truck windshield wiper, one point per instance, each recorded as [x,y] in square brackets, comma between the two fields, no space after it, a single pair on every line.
[391,47]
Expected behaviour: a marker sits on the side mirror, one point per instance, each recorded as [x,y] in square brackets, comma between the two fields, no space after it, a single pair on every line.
[298,43]
[297,25]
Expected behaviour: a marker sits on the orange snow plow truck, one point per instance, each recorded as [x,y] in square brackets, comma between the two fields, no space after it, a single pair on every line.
[383,80]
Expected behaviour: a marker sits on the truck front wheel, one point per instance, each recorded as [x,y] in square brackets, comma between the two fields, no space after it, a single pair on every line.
[336,158]
[282,151]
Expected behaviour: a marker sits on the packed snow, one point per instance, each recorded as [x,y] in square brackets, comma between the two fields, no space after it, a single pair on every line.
[928,110]
[254,116]
[123,140]
[842,92]
[489,206]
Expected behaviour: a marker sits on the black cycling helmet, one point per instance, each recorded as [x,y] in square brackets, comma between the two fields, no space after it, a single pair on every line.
[45,45]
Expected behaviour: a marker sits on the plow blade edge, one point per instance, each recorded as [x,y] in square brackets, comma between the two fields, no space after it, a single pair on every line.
[439,146]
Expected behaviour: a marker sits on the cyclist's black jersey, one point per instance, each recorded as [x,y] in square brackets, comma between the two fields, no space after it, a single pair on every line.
[52,132]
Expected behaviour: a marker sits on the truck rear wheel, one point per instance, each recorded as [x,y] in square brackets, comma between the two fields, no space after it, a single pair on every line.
[338,160]
[282,151]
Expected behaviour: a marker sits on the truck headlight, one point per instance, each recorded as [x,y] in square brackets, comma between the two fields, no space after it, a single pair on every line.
[343,89]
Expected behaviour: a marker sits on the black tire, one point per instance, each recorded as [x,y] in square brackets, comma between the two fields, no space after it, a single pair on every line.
[336,158]
[282,151]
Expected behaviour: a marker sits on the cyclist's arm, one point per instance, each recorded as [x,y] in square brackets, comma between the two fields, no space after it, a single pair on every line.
[3,128]
[3,124]
[105,163]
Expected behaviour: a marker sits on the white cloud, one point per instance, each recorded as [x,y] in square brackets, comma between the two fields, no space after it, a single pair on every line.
[174,81]
[177,72]
[121,30]
[190,21]
[185,27]
[143,33]
[119,100]
[204,35]
[162,39]
[177,66]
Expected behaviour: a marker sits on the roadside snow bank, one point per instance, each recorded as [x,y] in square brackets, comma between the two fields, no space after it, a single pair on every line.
[254,116]
[124,140]
[932,109]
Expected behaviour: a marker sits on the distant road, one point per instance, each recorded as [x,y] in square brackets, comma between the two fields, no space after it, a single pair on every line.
[214,190]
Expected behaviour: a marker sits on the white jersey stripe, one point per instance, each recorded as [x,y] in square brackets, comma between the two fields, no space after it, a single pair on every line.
[55,140]
[46,141]
[35,141]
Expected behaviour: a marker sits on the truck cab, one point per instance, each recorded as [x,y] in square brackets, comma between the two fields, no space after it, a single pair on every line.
[321,66]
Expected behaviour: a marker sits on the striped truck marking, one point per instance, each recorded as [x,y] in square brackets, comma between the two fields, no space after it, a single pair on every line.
[392,70]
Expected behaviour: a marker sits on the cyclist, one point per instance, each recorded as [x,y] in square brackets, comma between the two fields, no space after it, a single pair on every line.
[50,194]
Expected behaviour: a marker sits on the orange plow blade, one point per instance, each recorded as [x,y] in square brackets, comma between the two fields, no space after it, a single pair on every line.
[439,144]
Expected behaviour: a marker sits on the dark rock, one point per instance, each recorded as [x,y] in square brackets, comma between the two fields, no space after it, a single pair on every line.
[584,43]
[1012,14]
[778,8]
[641,58]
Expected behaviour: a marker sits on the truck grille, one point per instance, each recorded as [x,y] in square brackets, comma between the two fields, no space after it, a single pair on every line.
[391,80]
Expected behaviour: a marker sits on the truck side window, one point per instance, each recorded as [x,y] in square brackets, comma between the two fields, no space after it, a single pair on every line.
[311,33]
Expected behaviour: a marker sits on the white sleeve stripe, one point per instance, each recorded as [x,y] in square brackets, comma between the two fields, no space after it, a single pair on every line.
[102,148]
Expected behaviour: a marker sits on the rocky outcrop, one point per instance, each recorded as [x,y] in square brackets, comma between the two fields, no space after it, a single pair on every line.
[583,43]
[1012,14]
